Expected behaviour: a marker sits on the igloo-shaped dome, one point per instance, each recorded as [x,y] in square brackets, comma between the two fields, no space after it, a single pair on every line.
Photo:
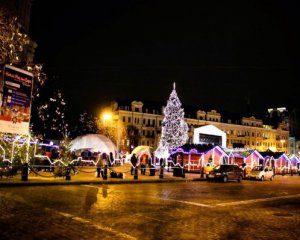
[96,142]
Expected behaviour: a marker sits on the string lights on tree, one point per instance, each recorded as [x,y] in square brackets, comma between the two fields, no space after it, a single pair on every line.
[87,124]
[12,40]
[174,128]
[52,116]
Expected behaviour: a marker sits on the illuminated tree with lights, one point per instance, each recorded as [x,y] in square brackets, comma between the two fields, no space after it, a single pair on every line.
[174,128]
[111,127]
[87,123]
[12,40]
[52,116]
[17,48]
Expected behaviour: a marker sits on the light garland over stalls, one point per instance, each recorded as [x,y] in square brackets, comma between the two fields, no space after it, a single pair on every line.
[174,128]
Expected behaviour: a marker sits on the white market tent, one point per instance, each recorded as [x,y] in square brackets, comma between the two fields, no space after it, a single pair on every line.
[209,130]
[95,142]
[139,151]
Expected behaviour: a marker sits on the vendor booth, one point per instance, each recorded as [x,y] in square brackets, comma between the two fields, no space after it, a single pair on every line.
[195,157]
[295,163]
[281,161]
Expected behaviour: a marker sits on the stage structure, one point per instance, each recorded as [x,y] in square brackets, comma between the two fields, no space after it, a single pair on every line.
[210,134]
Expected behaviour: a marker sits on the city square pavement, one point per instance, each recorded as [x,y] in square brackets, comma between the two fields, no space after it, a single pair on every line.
[175,210]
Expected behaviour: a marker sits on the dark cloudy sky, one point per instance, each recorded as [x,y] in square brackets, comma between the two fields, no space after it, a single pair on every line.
[218,52]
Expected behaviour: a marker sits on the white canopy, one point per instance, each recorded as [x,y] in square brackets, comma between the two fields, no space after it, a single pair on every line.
[139,151]
[97,142]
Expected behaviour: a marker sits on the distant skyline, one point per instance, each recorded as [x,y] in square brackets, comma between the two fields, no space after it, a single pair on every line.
[220,54]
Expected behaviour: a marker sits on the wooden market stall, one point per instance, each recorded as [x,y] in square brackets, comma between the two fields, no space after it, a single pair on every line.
[199,156]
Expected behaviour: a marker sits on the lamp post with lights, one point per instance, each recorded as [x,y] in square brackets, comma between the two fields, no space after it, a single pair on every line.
[108,117]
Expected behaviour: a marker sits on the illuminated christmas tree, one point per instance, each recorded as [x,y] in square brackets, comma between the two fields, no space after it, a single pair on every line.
[52,117]
[87,124]
[174,128]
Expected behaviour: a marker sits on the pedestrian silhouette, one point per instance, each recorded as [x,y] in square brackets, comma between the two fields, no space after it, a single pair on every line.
[133,161]
[99,166]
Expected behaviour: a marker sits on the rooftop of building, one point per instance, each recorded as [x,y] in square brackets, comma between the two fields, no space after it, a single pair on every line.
[191,111]
[147,105]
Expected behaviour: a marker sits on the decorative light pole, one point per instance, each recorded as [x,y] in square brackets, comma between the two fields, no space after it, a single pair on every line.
[107,116]
[118,135]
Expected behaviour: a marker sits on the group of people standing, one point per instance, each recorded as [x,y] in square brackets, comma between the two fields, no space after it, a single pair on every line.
[104,161]
[143,160]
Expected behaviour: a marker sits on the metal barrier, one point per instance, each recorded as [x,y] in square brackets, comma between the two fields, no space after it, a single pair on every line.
[66,171]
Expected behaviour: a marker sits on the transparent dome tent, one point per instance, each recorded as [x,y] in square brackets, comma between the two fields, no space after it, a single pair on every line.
[93,142]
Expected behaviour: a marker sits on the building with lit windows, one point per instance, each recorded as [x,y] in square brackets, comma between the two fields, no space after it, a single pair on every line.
[144,124]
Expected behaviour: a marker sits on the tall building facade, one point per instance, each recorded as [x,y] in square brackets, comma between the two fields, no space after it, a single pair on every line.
[144,124]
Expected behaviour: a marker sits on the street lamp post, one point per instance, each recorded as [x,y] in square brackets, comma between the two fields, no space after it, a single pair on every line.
[118,135]
[109,117]
[106,117]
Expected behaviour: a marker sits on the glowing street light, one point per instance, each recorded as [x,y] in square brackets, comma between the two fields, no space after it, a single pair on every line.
[109,117]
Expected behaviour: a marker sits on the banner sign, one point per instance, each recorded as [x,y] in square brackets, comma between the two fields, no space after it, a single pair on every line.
[15,103]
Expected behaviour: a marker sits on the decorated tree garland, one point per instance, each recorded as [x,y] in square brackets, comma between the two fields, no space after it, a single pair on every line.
[174,128]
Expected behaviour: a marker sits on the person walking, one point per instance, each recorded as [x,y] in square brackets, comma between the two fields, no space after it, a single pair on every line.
[99,166]
[104,166]
[149,161]
[133,161]
[111,159]
[244,170]
[143,164]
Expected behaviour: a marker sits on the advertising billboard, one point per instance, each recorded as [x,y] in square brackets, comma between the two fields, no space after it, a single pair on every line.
[16,88]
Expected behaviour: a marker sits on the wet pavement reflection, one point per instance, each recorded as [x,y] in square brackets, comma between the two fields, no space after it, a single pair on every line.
[90,199]
[193,210]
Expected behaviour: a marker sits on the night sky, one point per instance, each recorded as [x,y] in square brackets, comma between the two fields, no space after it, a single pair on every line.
[219,53]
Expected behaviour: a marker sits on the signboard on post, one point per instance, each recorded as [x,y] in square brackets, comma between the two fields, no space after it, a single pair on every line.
[15,103]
